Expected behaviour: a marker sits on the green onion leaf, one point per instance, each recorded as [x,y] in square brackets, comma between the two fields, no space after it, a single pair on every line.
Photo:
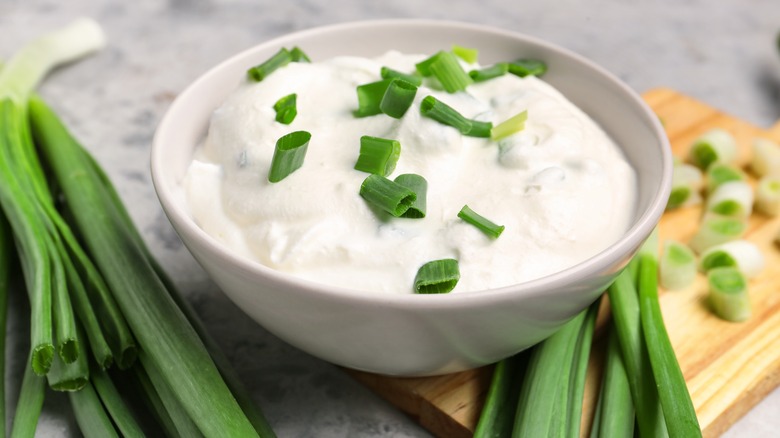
[370,98]
[465,53]
[397,98]
[498,413]
[91,416]
[387,195]
[388,73]
[509,126]
[298,55]
[115,405]
[527,67]
[419,186]
[615,410]
[29,404]
[449,72]
[424,67]
[445,114]
[483,224]
[437,277]
[492,72]
[288,155]
[378,155]
[286,109]
[278,60]
[729,293]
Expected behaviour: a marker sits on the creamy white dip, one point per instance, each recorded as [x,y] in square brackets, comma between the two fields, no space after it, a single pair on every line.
[561,187]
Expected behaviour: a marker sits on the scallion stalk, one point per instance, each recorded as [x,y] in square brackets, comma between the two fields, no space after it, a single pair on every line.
[483,224]
[29,404]
[677,266]
[678,410]
[615,409]
[496,70]
[397,99]
[467,54]
[445,114]
[729,294]
[286,109]
[419,186]
[389,73]
[275,62]
[716,145]
[91,416]
[387,195]
[509,126]
[289,154]
[6,254]
[741,254]
[114,404]
[370,98]
[185,425]
[527,67]
[449,72]
[498,413]
[378,155]
[437,277]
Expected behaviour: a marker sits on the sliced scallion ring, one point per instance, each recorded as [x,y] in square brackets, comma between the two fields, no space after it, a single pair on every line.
[378,155]
[765,159]
[716,145]
[715,229]
[278,60]
[768,195]
[288,155]
[741,254]
[419,186]
[286,109]
[389,73]
[387,195]
[733,198]
[449,72]
[721,173]
[437,277]
[729,294]
[370,97]
[677,266]
[398,97]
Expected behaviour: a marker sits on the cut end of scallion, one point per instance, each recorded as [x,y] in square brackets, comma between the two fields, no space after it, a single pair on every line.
[69,350]
[419,186]
[397,99]
[445,114]
[677,266]
[492,72]
[286,109]
[437,277]
[389,73]
[370,98]
[378,155]
[466,53]
[262,70]
[510,126]
[449,72]
[42,358]
[729,294]
[288,155]
[387,195]
[483,224]
[527,67]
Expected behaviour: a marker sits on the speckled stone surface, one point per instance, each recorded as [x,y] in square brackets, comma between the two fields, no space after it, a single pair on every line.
[720,52]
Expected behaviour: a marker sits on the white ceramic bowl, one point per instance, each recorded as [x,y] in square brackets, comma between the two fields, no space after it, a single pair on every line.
[416,334]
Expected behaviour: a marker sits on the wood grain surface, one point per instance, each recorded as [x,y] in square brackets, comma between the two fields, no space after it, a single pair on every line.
[729,367]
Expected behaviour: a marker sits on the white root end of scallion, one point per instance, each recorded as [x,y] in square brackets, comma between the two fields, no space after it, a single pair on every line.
[714,146]
[766,157]
[677,266]
[687,182]
[732,199]
[768,195]
[741,254]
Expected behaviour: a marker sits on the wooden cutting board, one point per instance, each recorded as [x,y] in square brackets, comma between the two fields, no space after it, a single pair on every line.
[729,367]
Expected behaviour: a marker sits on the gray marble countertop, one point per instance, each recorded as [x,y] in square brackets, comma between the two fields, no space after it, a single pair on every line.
[722,53]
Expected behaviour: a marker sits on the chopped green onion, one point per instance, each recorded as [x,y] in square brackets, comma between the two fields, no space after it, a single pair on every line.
[729,293]
[397,98]
[492,72]
[480,129]
[677,267]
[716,145]
[714,230]
[424,67]
[419,186]
[288,155]
[509,126]
[527,67]
[286,109]
[378,155]
[686,183]
[678,411]
[278,60]
[768,195]
[449,72]
[733,199]
[483,224]
[389,73]
[443,113]
[298,55]
[387,195]
[720,173]
[741,254]
[437,277]
[370,97]
[465,53]
[766,157]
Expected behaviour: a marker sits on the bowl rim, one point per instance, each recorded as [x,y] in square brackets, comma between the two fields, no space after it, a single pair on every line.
[641,226]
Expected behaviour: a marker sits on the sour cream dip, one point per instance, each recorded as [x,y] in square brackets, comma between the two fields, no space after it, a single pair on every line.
[561,187]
